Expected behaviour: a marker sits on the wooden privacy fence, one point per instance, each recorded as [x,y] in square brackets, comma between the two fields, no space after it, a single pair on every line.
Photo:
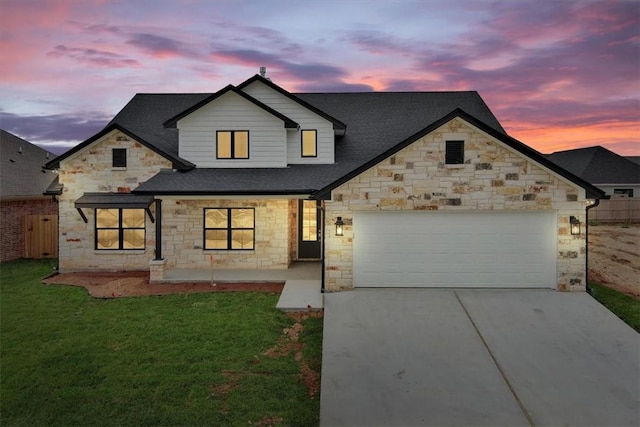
[41,236]
[620,209]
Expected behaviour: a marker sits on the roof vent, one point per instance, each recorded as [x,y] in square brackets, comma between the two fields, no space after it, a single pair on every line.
[263,71]
[20,149]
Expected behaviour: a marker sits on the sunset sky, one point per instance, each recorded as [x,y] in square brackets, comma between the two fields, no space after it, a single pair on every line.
[557,74]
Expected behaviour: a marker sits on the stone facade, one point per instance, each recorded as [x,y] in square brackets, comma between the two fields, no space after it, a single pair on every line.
[12,214]
[90,170]
[183,235]
[493,177]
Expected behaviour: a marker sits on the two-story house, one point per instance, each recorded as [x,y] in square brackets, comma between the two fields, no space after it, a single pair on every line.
[410,189]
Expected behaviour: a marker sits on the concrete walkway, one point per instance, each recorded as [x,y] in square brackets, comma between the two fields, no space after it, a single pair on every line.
[407,357]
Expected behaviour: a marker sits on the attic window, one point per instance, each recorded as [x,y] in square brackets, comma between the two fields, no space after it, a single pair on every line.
[232,144]
[119,158]
[454,153]
[309,146]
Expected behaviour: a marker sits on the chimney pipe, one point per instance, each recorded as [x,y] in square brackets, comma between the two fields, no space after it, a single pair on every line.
[263,71]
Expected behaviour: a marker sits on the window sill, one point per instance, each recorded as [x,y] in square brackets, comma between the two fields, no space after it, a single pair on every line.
[455,166]
[119,168]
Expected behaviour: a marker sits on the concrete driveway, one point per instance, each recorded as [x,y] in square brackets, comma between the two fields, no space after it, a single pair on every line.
[401,357]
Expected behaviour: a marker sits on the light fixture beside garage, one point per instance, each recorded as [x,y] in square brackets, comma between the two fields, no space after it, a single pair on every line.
[575,225]
[339,227]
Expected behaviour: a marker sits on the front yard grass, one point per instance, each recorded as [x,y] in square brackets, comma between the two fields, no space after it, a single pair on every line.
[198,359]
[623,306]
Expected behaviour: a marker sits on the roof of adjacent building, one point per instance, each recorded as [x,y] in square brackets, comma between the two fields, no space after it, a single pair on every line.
[597,165]
[22,172]
[634,159]
[377,125]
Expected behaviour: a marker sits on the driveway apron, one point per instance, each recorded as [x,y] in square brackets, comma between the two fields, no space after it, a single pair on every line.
[402,357]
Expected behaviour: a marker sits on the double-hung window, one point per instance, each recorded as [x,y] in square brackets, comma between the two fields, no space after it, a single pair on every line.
[309,142]
[229,228]
[232,144]
[119,228]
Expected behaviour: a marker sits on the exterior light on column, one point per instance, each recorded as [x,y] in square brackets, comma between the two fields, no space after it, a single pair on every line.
[339,227]
[575,225]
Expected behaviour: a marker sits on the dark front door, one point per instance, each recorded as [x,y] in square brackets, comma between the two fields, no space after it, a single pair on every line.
[309,224]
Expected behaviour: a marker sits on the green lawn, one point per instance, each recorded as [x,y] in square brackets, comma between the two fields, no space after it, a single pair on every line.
[623,306]
[198,359]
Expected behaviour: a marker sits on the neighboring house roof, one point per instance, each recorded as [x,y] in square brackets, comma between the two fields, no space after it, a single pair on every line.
[22,170]
[288,123]
[634,159]
[597,165]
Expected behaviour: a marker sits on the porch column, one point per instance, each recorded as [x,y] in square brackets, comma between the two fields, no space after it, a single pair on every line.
[158,230]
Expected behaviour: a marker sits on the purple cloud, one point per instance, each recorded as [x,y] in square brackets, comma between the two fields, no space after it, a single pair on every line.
[304,72]
[91,56]
[158,46]
[54,127]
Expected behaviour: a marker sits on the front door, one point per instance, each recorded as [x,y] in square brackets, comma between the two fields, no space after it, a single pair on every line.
[309,223]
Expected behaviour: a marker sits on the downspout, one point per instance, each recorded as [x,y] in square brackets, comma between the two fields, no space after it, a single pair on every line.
[586,249]
[57,202]
[322,213]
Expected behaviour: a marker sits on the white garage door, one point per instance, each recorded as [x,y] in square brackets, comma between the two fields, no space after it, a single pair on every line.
[429,249]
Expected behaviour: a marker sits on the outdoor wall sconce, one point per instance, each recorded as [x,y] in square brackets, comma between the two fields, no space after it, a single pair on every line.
[575,225]
[339,227]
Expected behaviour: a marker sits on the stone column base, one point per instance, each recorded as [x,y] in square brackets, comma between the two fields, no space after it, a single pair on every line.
[157,270]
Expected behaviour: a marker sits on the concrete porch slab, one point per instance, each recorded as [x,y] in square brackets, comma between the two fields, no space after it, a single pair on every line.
[296,271]
[301,295]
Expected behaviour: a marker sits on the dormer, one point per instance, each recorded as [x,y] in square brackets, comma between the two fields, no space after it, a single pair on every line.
[314,142]
[231,129]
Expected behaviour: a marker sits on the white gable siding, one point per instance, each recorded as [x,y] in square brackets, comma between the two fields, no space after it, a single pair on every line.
[307,119]
[267,135]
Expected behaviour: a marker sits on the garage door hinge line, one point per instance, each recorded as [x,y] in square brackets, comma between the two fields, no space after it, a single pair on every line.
[495,361]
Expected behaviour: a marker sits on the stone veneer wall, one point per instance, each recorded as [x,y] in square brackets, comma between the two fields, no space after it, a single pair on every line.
[183,234]
[90,170]
[492,178]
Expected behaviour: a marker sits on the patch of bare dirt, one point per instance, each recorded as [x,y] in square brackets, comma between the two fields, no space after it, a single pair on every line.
[614,257]
[289,342]
[136,283]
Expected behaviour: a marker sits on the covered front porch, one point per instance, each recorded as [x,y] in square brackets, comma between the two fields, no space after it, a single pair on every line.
[302,289]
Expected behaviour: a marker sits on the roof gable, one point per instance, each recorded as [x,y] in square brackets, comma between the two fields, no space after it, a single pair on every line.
[518,146]
[23,173]
[288,123]
[178,163]
[337,124]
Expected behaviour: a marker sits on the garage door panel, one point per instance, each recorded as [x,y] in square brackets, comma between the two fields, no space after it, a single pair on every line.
[425,249]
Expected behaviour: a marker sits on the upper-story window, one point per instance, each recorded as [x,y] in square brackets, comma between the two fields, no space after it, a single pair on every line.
[119,158]
[309,146]
[454,153]
[232,144]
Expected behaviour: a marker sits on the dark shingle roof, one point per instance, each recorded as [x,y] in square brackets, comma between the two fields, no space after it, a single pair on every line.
[22,174]
[376,122]
[598,165]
